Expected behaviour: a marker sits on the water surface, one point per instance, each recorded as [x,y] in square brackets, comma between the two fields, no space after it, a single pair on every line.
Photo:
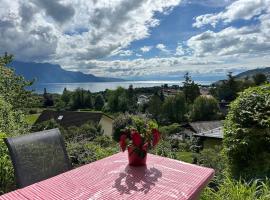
[101,86]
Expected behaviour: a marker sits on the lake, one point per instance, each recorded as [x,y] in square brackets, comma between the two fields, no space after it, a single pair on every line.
[101,86]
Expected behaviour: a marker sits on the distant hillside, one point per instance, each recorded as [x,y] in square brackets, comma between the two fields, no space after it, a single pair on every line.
[50,73]
[252,72]
[249,74]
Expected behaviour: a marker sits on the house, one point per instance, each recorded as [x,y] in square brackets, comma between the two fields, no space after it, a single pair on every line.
[170,92]
[209,132]
[70,118]
[204,90]
[142,99]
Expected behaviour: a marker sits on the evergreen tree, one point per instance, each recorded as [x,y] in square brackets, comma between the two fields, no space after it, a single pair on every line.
[155,105]
[259,78]
[47,99]
[66,96]
[99,102]
[190,89]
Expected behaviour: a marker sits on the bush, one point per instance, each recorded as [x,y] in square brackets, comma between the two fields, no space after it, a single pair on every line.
[86,132]
[81,153]
[164,149]
[104,141]
[119,124]
[212,158]
[238,190]
[46,125]
[170,130]
[247,134]
[11,122]
[6,169]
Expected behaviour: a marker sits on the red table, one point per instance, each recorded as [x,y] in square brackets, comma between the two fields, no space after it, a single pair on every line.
[112,178]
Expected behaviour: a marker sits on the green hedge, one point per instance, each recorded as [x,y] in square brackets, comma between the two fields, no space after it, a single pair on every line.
[247,134]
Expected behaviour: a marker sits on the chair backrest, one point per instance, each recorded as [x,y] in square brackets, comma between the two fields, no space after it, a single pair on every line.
[37,156]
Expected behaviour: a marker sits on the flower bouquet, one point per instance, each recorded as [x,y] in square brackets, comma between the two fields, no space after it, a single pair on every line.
[138,138]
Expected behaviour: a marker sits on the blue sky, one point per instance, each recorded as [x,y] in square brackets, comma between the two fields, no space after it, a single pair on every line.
[175,27]
[139,38]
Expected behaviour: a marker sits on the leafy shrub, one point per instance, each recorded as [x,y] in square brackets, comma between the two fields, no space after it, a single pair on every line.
[170,130]
[238,190]
[87,131]
[164,149]
[6,169]
[213,158]
[11,122]
[33,111]
[119,124]
[104,141]
[81,153]
[247,134]
[12,88]
[46,125]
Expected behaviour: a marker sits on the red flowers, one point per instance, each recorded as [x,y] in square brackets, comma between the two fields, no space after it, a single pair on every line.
[122,142]
[140,142]
[145,147]
[136,138]
[156,137]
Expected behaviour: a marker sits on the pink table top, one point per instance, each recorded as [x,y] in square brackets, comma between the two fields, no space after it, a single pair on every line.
[113,178]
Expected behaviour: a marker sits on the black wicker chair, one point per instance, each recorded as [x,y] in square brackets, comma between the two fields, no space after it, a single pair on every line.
[37,156]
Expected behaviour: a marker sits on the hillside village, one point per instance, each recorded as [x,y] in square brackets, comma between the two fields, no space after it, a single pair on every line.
[192,119]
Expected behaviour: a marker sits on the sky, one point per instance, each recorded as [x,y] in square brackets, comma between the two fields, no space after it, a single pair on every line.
[139,38]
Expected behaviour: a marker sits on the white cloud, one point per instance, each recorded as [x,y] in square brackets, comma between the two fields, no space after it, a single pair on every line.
[241,9]
[86,32]
[179,50]
[172,66]
[162,48]
[62,30]
[209,3]
[252,40]
[146,48]
[125,53]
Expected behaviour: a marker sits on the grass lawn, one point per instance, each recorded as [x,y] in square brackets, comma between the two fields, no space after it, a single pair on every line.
[184,156]
[31,119]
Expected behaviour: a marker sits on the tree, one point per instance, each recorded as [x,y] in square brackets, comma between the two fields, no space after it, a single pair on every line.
[247,134]
[48,99]
[81,98]
[99,102]
[190,89]
[118,100]
[132,99]
[155,105]
[175,108]
[229,88]
[88,100]
[11,121]
[205,108]
[66,96]
[259,78]
[12,87]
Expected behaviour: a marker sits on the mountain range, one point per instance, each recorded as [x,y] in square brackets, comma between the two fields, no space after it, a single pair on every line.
[52,73]
[252,72]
